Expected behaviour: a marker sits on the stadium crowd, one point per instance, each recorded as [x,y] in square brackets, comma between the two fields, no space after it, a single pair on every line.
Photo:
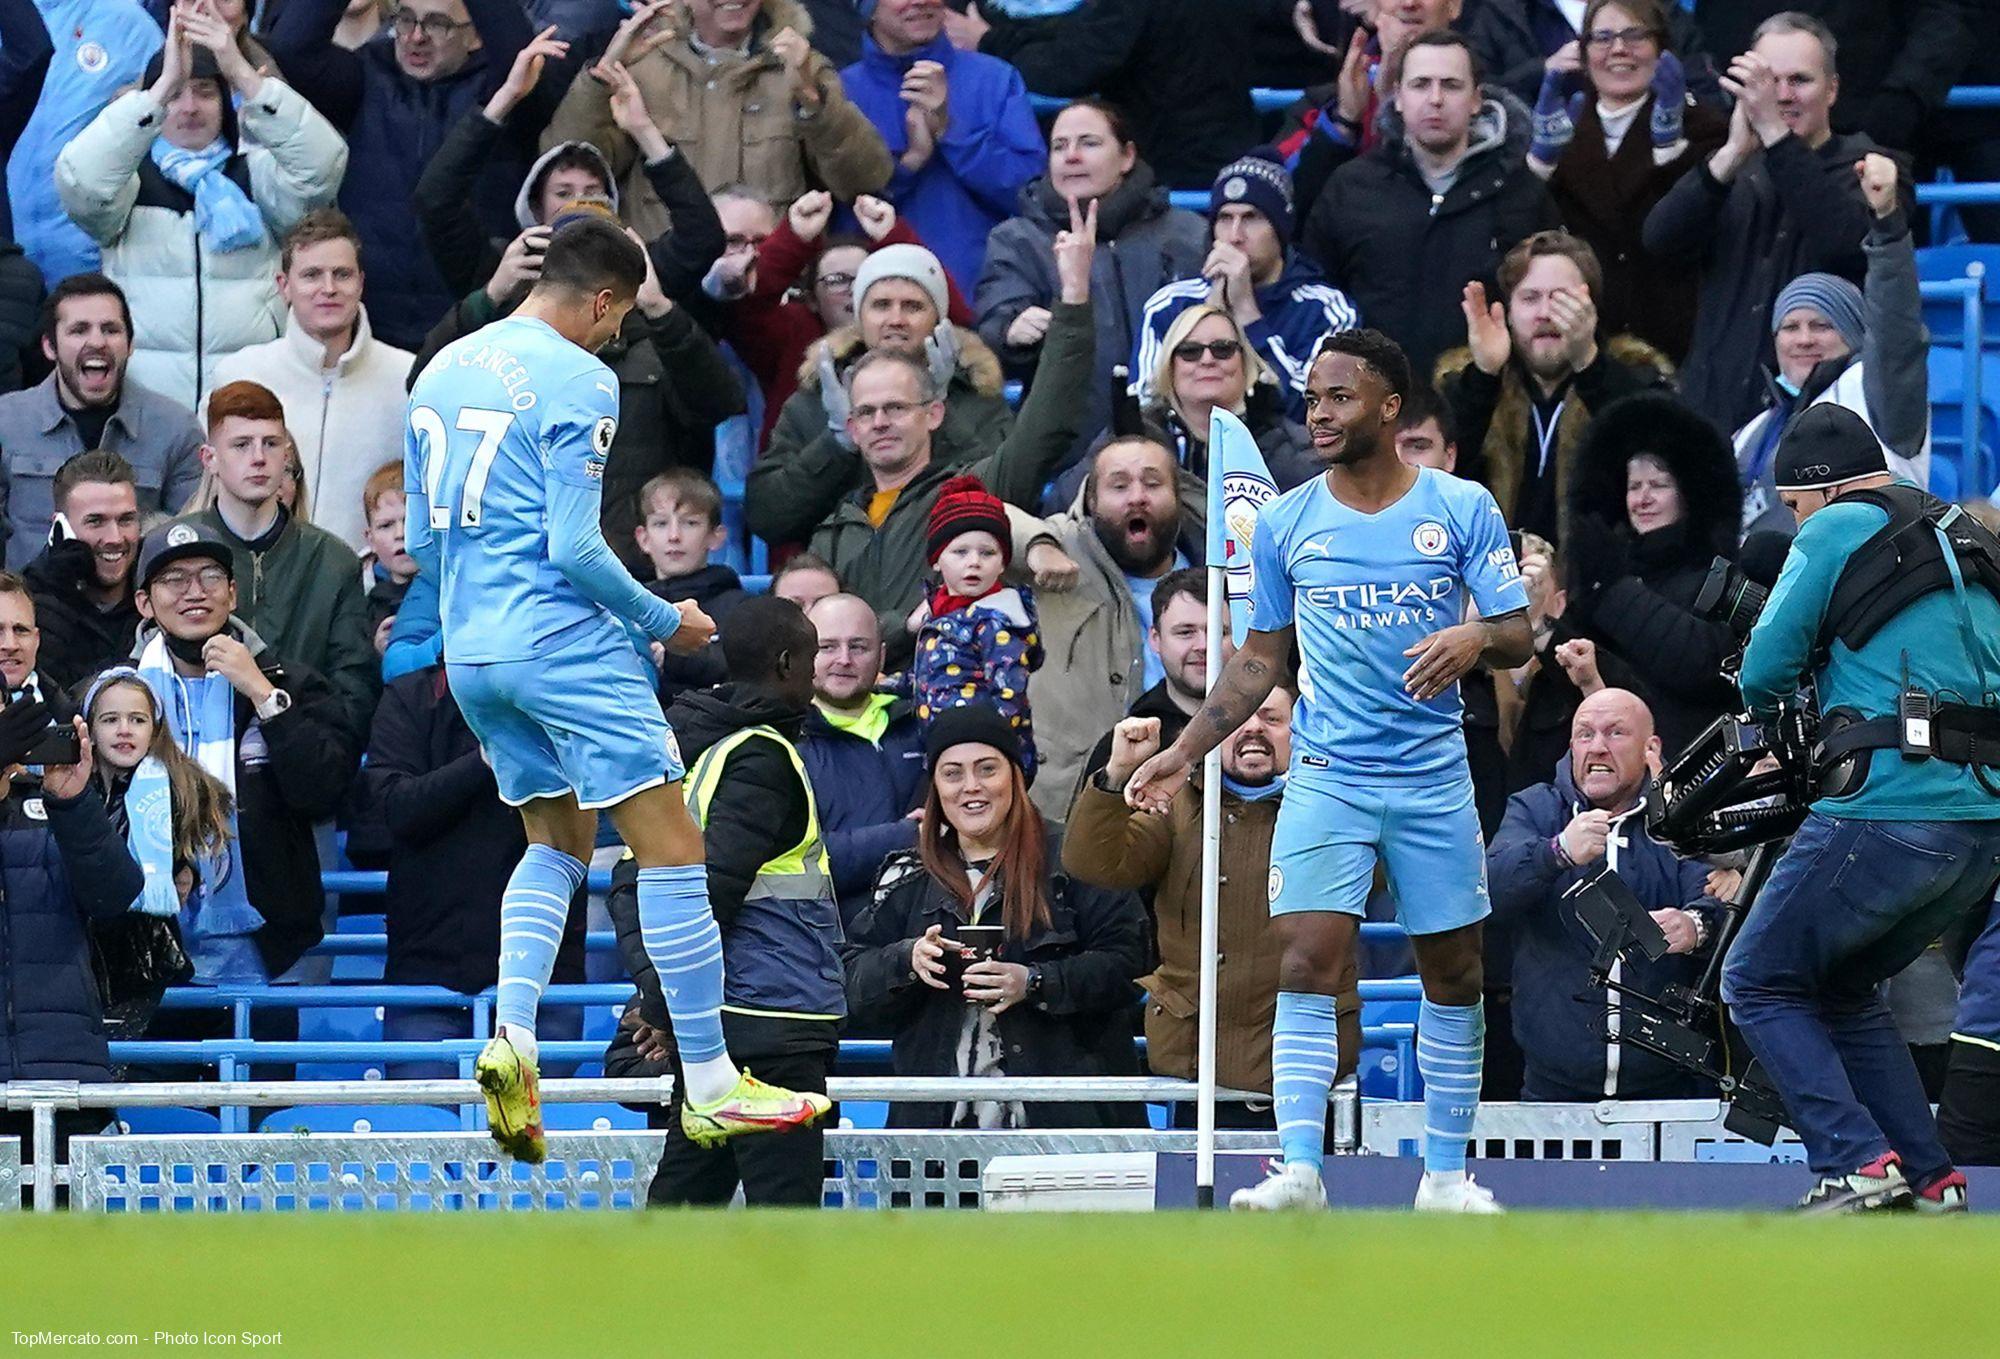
[1622,242]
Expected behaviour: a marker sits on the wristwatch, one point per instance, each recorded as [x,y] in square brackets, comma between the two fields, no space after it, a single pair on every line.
[275,702]
[1034,992]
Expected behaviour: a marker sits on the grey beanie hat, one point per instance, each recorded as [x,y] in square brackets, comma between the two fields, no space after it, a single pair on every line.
[1828,294]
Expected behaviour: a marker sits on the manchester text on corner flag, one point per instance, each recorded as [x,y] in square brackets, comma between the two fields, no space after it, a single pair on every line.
[1239,486]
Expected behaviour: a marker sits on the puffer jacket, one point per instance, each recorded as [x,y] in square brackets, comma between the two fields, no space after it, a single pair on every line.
[1089,953]
[806,470]
[1143,243]
[734,120]
[62,864]
[1635,593]
[1558,1018]
[1404,259]
[982,655]
[191,303]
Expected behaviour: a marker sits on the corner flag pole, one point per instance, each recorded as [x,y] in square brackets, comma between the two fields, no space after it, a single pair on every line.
[1239,484]
[1211,913]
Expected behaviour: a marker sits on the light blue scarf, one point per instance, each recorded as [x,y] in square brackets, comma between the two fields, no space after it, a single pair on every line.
[149,812]
[218,919]
[223,213]
[1254,792]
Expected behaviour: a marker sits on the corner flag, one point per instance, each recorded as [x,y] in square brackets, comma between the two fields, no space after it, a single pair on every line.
[1239,485]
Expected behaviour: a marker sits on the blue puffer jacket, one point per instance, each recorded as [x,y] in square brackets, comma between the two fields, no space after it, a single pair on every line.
[101,46]
[1562,1036]
[61,863]
[866,790]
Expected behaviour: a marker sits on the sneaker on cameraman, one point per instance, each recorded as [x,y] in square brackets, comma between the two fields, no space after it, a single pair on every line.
[1942,1193]
[1290,1187]
[1877,1186]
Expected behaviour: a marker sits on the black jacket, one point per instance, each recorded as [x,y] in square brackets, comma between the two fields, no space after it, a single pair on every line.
[1897,57]
[1284,443]
[758,812]
[1183,84]
[467,255]
[61,864]
[718,589]
[674,387]
[453,843]
[78,638]
[20,312]
[865,794]
[1790,211]
[1405,261]
[1089,955]
[308,759]
[1635,594]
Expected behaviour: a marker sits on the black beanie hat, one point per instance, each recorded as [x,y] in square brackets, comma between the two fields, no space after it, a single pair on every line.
[972,723]
[1827,446]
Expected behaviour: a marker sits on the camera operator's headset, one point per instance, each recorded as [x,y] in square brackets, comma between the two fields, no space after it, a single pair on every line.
[1926,546]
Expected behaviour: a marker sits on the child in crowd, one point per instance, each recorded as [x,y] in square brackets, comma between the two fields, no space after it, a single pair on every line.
[680,525]
[386,568]
[977,638]
[176,817]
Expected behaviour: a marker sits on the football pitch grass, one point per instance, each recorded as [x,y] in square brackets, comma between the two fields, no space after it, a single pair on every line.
[733,1284]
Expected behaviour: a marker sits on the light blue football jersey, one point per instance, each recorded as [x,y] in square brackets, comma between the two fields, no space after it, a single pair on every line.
[503,466]
[1363,588]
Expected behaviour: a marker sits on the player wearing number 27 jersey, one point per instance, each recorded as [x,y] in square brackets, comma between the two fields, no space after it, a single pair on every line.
[503,467]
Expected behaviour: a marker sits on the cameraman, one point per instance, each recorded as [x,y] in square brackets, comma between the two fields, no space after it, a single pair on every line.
[1905,835]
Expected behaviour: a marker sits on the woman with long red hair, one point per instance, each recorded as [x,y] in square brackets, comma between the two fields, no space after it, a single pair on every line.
[1052,994]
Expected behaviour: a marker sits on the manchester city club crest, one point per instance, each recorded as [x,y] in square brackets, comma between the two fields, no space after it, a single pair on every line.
[1429,538]
[1243,495]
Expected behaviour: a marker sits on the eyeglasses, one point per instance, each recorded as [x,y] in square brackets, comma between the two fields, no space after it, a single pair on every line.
[1190,351]
[1612,37]
[837,282]
[211,578]
[436,27]
[893,410]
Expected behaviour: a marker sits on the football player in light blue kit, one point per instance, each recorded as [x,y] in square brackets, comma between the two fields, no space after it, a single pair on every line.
[503,466]
[1369,568]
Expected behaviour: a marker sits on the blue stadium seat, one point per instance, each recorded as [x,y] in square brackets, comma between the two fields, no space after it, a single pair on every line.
[341,1024]
[343,1118]
[168,1121]
[359,967]
[1945,317]
[1973,468]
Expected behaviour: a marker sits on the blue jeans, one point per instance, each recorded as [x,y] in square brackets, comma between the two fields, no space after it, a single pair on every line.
[1851,904]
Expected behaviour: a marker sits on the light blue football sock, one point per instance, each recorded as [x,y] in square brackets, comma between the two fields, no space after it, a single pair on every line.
[685,944]
[1305,1054]
[533,910]
[1451,1046]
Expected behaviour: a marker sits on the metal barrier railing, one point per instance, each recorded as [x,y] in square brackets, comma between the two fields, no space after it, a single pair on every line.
[42,1099]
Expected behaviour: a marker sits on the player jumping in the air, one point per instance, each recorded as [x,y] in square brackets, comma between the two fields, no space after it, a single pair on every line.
[1368,567]
[503,466]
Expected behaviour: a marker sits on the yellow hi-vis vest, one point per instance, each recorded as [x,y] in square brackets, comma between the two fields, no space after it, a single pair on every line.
[783,949]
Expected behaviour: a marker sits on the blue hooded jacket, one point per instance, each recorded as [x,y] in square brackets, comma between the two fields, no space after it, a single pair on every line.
[101,46]
[1561,1036]
[990,148]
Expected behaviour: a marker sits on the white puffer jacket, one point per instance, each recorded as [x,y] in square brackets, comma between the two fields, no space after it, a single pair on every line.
[191,304]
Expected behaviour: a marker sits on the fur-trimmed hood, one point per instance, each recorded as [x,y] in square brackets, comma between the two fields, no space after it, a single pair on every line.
[1693,450]
[978,365]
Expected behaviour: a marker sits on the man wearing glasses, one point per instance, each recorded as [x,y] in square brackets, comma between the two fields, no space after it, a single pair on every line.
[394,99]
